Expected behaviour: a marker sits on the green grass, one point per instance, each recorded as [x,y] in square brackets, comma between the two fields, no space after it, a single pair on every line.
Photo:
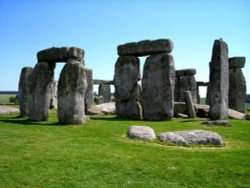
[98,154]
[5,98]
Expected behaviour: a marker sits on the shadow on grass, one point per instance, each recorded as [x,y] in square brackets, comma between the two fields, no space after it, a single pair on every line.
[21,121]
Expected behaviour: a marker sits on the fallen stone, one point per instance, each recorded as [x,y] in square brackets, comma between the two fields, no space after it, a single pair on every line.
[146,47]
[233,114]
[217,123]
[237,62]
[8,110]
[105,108]
[180,108]
[141,132]
[185,72]
[60,54]
[193,137]
[179,115]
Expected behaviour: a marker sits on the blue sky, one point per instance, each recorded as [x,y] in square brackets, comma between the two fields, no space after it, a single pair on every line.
[99,26]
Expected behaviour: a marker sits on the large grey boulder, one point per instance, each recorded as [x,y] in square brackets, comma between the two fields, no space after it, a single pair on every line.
[60,54]
[72,86]
[192,137]
[146,47]
[100,109]
[23,91]
[237,84]
[158,87]
[89,92]
[127,92]
[219,81]
[40,81]
[141,132]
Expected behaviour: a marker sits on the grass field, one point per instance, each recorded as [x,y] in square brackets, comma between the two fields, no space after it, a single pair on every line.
[98,154]
[5,98]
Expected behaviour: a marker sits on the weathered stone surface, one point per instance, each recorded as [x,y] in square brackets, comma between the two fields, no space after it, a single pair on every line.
[72,87]
[53,91]
[158,87]
[39,95]
[185,72]
[192,137]
[217,123]
[190,105]
[233,114]
[127,93]
[179,115]
[99,99]
[60,54]
[247,116]
[141,132]
[23,91]
[105,82]
[105,108]
[219,81]
[180,107]
[237,62]
[104,90]
[202,111]
[89,92]
[185,83]
[8,110]
[237,90]
[146,47]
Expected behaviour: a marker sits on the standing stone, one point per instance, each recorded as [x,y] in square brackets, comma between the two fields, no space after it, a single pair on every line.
[127,75]
[89,92]
[219,81]
[237,84]
[104,90]
[39,95]
[72,87]
[53,91]
[158,87]
[190,105]
[23,91]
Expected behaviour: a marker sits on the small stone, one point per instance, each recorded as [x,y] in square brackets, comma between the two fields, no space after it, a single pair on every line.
[141,132]
[179,115]
[185,72]
[217,123]
[193,137]
[237,62]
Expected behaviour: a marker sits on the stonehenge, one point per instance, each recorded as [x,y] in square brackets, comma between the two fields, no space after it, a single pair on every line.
[159,94]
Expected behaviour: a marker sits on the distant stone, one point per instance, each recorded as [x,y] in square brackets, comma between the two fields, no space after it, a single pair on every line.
[190,105]
[72,86]
[237,62]
[89,92]
[235,114]
[180,108]
[247,116]
[146,47]
[105,82]
[193,137]
[185,72]
[23,91]
[60,54]
[105,108]
[202,111]
[217,123]
[141,132]
[105,91]
[179,115]
[158,87]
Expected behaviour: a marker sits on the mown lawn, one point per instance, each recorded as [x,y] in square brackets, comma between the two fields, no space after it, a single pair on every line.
[5,98]
[98,154]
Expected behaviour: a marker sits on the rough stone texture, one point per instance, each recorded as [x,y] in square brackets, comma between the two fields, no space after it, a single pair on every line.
[237,90]
[141,132]
[127,93]
[190,105]
[192,137]
[105,108]
[104,90]
[233,114]
[60,54]
[39,95]
[237,62]
[219,81]
[72,87]
[146,47]
[185,72]
[89,93]
[158,87]
[23,91]
[106,82]
[180,107]
[99,99]
[53,91]
[185,83]
[217,123]
[202,111]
